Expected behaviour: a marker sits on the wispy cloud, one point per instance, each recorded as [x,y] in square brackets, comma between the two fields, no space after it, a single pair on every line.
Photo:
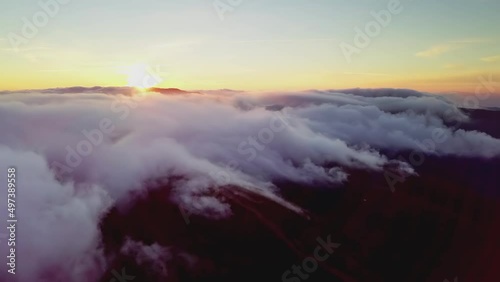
[472,40]
[436,50]
[444,48]
[491,59]
[367,73]
[285,40]
[58,70]
[30,49]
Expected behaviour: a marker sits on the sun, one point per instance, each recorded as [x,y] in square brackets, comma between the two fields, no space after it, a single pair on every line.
[141,76]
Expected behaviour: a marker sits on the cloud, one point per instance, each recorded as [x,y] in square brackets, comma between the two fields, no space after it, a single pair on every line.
[436,51]
[151,256]
[366,74]
[59,230]
[444,48]
[472,40]
[79,151]
[491,59]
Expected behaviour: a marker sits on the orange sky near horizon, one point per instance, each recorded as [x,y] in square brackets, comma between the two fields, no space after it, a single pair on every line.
[257,45]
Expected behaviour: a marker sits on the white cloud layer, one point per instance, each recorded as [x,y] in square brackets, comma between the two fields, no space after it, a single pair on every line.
[78,152]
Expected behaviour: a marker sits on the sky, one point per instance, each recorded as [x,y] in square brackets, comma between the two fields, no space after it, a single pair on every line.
[435,46]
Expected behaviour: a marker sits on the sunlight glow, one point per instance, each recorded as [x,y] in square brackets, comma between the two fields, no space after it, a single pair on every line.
[141,76]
